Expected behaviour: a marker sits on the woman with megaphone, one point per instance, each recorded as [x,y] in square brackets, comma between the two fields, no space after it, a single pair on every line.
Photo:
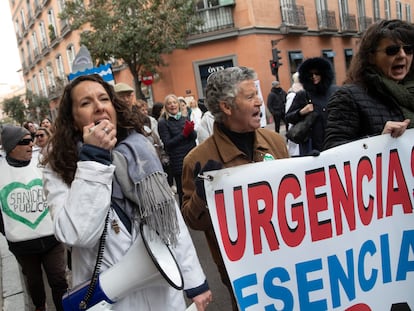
[112,205]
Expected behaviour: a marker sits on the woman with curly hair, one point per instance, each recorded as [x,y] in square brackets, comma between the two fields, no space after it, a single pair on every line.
[91,198]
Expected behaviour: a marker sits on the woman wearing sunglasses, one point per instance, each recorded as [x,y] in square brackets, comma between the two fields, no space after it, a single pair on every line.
[41,138]
[378,93]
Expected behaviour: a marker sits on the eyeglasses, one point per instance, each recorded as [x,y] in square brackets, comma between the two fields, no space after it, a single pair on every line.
[40,135]
[25,141]
[395,49]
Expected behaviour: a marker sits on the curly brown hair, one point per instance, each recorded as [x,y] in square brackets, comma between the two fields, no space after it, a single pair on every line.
[394,29]
[62,155]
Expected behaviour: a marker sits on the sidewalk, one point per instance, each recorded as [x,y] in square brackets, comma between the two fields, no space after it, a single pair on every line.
[13,296]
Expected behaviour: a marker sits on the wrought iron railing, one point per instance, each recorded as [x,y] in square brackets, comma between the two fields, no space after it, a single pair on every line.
[327,20]
[293,15]
[215,18]
[349,23]
[364,23]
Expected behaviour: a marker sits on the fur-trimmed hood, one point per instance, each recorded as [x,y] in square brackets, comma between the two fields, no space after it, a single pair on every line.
[324,67]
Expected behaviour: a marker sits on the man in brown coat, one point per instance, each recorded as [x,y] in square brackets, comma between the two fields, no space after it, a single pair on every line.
[237,139]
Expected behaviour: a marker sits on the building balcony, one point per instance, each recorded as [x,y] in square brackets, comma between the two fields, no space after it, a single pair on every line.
[31,63]
[25,68]
[43,44]
[19,38]
[327,22]
[37,55]
[364,22]
[38,9]
[53,92]
[349,25]
[36,52]
[45,51]
[31,19]
[44,47]
[64,27]
[293,19]
[216,23]
[54,42]
[214,19]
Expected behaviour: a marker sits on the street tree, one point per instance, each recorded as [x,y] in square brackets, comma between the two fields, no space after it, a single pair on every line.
[37,106]
[138,32]
[15,108]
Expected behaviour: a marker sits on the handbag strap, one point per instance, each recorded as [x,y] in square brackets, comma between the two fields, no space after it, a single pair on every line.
[308,99]
[94,280]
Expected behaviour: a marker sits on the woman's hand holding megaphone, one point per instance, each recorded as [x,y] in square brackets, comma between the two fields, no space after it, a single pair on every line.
[201,301]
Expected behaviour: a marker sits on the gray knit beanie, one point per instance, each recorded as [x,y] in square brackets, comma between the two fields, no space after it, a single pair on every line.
[11,135]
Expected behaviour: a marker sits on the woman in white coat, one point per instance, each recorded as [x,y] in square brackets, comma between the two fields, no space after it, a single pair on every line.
[89,195]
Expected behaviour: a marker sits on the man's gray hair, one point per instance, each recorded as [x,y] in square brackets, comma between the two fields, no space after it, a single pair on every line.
[224,86]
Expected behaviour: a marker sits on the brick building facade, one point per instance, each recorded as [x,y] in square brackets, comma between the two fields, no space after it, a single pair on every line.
[235,32]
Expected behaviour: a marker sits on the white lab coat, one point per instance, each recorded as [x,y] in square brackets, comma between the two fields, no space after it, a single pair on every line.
[79,216]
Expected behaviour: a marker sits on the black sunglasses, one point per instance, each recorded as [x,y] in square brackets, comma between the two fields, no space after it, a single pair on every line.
[25,141]
[39,135]
[395,49]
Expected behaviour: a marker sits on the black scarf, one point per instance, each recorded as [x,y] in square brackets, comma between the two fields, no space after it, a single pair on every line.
[243,141]
[400,94]
[16,163]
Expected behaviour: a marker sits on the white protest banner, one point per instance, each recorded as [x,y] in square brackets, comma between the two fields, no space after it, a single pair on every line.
[333,232]
[263,120]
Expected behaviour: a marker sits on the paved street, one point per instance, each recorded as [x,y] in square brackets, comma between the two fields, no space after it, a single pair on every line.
[13,297]
[221,298]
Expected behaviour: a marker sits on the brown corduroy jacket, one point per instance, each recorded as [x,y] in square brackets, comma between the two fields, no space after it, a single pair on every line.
[220,148]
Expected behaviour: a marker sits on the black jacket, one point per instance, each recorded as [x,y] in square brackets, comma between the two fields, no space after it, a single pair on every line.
[276,101]
[365,114]
[175,144]
[319,95]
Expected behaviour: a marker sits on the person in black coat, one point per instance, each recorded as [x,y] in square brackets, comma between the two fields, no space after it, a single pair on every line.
[316,76]
[179,137]
[276,101]
[378,94]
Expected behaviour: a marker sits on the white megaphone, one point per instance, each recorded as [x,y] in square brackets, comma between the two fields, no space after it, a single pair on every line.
[151,262]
